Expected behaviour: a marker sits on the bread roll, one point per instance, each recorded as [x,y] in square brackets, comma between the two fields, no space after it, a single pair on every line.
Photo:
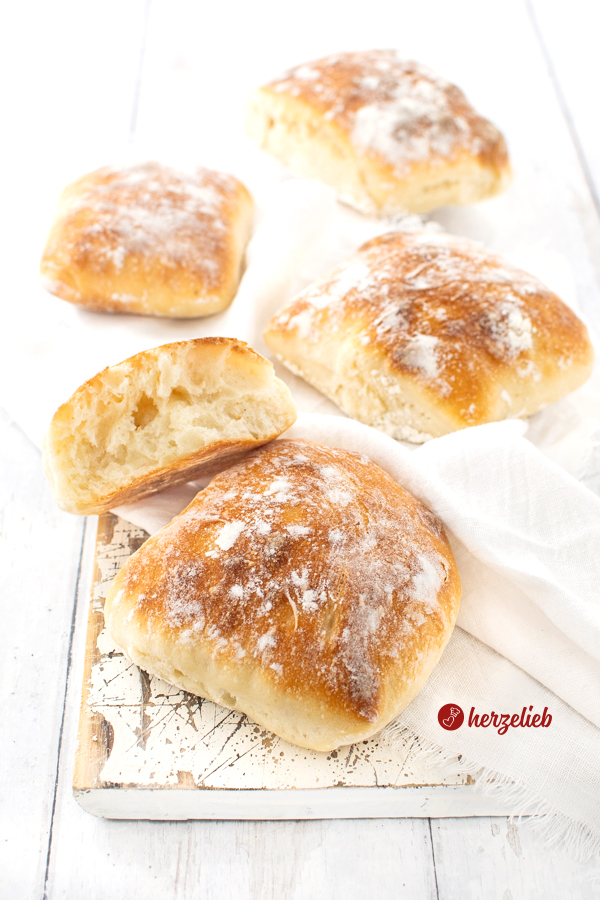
[161,417]
[303,587]
[424,333]
[389,135]
[147,239]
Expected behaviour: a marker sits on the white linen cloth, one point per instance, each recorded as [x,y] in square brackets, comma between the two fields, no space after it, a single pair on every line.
[526,534]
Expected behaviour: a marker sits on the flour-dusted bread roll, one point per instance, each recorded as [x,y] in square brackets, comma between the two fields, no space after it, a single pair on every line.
[389,135]
[425,333]
[303,587]
[162,417]
[147,239]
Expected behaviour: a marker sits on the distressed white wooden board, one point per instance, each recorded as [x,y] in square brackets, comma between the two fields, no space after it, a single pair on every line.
[97,858]
[436,801]
[143,744]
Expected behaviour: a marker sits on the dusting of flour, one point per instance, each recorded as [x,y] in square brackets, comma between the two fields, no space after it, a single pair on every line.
[150,214]
[440,308]
[397,109]
[308,561]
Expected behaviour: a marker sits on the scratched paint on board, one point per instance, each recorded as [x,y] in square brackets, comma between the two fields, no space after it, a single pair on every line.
[161,736]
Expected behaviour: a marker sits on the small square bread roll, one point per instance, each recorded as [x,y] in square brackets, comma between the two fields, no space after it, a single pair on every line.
[424,333]
[147,239]
[389,135]
[162,417]
[303,587]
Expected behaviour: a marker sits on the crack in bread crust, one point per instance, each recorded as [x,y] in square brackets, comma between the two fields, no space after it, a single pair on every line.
[304,584]
[424,333]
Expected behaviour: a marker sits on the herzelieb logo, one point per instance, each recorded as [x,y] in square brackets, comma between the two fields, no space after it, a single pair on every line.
[451,716]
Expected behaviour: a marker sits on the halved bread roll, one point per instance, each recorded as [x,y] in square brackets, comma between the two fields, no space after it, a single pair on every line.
[162,417]
[303,587]
[425,333]
[389,135]
[147,239]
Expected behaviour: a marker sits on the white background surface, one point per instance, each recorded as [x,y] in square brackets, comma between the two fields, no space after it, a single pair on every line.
[86,83]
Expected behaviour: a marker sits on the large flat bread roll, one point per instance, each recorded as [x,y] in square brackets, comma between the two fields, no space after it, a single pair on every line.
[147,239]
[389,135]
[424,333]
[303,587]
[162,417]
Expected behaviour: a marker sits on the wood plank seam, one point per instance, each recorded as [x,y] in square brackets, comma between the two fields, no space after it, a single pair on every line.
[78,587]
[564,107]
[137,91]
[437,890]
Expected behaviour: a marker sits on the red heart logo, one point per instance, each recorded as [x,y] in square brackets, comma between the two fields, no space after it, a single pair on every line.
[451,716]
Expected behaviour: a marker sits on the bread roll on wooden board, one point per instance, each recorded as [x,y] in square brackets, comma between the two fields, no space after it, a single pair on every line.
[388,134]
[147,239]
[303,587]
[424,333]
[161,417]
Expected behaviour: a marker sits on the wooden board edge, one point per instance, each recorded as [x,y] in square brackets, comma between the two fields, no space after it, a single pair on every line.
[191,802]
[439,801]
[94,734]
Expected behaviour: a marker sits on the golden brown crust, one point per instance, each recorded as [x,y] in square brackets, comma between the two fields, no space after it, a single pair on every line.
[147,239]
[304,587]
[436,323]
[387,133]
[161,417]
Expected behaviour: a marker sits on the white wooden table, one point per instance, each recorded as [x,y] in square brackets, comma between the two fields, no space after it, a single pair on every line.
[83,81]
